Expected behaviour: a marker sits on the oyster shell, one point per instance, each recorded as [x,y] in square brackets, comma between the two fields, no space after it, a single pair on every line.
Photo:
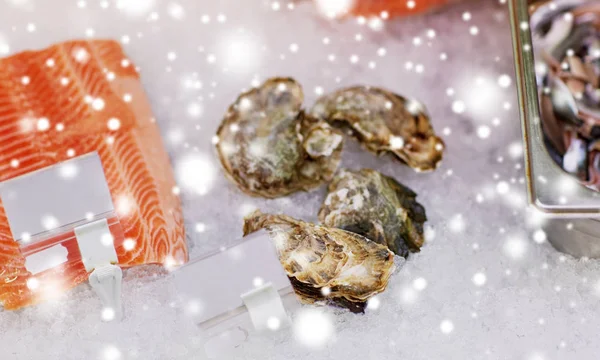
[376,206]
[348,265]
[269,147]
[384,122]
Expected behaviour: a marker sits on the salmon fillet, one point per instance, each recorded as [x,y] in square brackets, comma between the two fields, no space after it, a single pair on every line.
[56,104]
[394,8]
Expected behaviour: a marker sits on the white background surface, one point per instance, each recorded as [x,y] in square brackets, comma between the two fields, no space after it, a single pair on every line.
[480,275]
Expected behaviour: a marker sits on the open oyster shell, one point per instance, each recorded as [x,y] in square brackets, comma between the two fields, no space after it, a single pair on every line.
[384,122]
[269,147]
[326,264]
[376,206]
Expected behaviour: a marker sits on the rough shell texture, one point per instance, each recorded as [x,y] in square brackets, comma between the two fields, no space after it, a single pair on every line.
[269,147]
[376,206]
[384,122]
[320,260]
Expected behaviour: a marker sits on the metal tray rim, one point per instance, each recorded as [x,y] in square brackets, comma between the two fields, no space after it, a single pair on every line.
[583,202]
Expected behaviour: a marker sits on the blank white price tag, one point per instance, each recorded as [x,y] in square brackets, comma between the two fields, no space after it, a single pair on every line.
[213,286]
[64,194]
[235,292]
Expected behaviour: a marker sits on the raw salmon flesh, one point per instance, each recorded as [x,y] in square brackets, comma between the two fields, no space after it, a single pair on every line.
[394,8]
[72,99]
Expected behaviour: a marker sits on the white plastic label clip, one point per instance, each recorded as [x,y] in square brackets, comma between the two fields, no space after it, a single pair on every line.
[236,292]
[106,282]
[45,207]
[266,308]
[98,255]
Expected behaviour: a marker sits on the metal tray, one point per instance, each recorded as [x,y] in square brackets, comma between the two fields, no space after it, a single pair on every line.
[573,210]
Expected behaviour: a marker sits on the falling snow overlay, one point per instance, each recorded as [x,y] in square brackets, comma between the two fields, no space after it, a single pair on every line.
[486,284]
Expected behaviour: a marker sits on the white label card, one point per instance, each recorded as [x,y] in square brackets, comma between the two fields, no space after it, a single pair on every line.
[213,286]
[46,259]
[56,196]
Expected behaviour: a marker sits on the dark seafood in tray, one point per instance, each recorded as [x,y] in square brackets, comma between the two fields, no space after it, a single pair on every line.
[567,49]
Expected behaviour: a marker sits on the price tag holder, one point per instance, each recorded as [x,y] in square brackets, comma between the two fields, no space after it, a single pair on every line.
[236,292]
[62,216]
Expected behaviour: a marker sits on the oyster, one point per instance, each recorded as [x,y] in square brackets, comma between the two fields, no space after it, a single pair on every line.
[326,264]
[269,147]
[384,122]
[376,206]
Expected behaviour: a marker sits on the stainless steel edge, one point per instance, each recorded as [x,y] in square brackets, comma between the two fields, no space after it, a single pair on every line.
[515,18]
[550,189]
